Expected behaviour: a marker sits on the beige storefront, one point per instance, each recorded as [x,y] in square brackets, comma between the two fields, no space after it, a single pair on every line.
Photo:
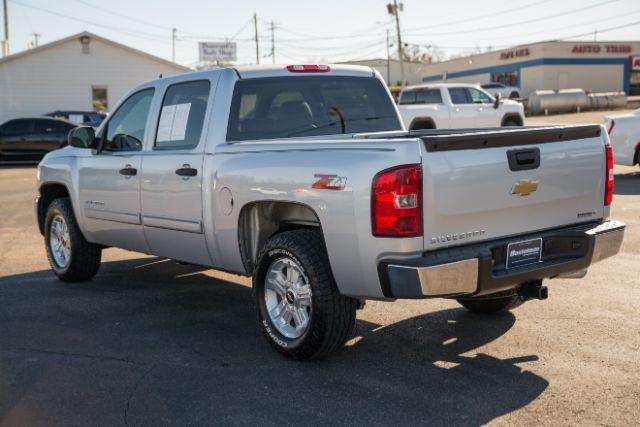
[597,67]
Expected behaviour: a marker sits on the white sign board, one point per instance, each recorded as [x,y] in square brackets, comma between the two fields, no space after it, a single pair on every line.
[635,63]
[213,52]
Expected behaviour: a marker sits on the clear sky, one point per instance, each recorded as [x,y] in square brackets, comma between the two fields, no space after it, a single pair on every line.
[323,30]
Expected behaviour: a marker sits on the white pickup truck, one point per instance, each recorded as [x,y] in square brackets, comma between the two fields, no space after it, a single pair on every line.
[456,106]
[624,132]
[303,177]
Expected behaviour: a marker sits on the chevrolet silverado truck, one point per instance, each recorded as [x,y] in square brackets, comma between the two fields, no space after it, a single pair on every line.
[456,106]
[304,178]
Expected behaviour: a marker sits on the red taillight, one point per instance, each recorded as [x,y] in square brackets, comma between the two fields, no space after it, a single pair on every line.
[608,192]
[308,68]
[611,126]
[396,202]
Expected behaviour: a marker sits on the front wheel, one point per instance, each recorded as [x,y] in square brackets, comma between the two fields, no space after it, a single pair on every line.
[300,310]
[71,257]
[491,305]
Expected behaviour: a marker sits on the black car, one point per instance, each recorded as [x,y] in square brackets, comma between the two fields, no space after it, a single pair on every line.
[31,138]
[85,118]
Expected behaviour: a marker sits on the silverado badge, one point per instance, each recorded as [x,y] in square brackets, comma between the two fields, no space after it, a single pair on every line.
[524,187]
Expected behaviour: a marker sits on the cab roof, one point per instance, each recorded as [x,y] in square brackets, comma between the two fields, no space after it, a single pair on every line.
[280,70]
[441,85]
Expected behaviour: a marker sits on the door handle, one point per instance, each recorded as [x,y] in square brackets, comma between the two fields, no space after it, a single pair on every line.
[186,170]
[128,171]
[526,159]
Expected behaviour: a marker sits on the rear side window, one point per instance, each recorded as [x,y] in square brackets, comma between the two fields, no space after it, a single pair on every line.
[428,96]
[17,127]
[182,115]
[52,126]
[407,97]
[421,96]
[459,95]
[283,107]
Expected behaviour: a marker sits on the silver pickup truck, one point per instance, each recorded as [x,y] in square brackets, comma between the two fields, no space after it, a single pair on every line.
[304,177]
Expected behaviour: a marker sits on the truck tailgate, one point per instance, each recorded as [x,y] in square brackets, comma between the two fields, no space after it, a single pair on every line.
[473,191]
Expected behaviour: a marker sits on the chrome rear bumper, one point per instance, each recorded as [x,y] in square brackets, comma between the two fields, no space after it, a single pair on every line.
[480,269]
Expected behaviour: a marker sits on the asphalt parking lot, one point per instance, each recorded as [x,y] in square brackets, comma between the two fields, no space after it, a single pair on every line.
[149,341]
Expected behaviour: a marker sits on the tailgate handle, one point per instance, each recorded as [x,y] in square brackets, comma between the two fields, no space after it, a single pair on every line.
[521,160]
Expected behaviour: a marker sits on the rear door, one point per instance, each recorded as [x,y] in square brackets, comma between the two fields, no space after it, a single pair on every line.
[172,175]
[463,110]
[473,191]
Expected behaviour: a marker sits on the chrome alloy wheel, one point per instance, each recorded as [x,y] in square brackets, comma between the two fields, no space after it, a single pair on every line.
[60,241]
[287,295]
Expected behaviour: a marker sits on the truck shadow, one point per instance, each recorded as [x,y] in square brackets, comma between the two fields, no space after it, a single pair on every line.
[627,184]
[150,341]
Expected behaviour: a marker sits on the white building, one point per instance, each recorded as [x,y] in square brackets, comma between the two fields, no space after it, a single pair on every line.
[81,72]
[593,66]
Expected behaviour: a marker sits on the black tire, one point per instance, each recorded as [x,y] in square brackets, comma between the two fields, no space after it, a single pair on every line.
[332,315]
[510,122]
[85,257]
[514,95]
[492,305]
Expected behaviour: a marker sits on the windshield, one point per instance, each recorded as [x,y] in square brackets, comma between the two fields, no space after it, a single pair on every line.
[283,107]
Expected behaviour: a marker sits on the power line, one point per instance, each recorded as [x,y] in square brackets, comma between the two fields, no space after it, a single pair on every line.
[631,24]
[121,15]
[490,15]
[528,21]
[154,37]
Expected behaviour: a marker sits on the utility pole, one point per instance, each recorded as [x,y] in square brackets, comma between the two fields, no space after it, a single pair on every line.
[5,42]
[173,44]
[273,41]
[255,27]
[388,60]
[400,55]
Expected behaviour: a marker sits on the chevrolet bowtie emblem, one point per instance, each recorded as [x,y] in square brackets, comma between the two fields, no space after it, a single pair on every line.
[524,187]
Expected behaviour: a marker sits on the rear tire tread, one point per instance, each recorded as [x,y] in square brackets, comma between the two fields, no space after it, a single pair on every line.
[333,314]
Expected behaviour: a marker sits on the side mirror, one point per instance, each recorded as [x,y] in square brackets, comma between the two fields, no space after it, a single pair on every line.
[496,103]
[82,137]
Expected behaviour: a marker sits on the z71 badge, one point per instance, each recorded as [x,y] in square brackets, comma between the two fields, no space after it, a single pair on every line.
[329,182]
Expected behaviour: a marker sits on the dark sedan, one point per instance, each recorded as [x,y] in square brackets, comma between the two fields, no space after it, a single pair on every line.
[31,138]
[85,118]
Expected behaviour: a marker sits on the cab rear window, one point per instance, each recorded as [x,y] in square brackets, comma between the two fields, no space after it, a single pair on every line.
[286,107]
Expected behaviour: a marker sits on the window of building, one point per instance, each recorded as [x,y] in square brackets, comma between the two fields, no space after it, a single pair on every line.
[509,78]
[99,98]
[634,83]
[126,128]
[182,115]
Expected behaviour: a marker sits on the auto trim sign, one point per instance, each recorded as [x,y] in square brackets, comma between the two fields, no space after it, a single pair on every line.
[635,63]
[597,48]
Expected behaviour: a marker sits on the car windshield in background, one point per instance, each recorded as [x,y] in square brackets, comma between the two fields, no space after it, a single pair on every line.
[284,107]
